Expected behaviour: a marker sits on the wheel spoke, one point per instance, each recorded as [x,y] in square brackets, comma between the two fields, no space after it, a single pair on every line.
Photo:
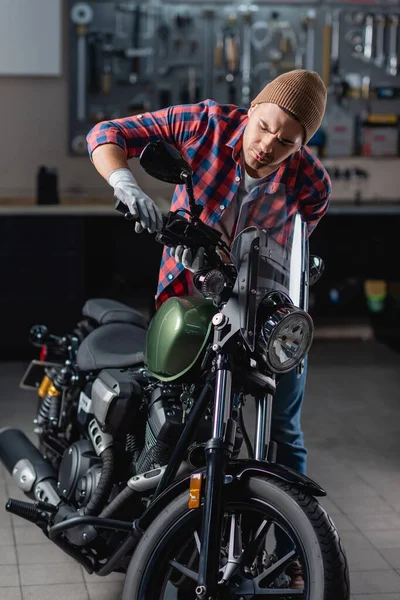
[184,570]
[272,572]
[235,547]
[254,547]
[197,540]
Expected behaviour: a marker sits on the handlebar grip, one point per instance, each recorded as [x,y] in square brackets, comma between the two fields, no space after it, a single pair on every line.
[122,208]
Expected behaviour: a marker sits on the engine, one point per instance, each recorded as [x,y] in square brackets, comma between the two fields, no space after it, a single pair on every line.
[141,431]
[108,412]
[163,428]
[79,473]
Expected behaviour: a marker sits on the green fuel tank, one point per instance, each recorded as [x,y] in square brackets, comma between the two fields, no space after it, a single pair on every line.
[177,336]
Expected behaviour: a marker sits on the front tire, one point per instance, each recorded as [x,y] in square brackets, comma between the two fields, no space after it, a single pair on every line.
[305,520]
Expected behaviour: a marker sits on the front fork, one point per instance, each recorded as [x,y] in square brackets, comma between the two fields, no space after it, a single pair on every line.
[218,451]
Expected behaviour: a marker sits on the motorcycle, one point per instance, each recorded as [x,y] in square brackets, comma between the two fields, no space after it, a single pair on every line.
[151,483]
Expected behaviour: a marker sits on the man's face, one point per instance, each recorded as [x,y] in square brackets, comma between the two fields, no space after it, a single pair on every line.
[271,135]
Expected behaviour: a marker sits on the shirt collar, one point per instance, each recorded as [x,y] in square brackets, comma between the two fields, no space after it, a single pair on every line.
[236,139]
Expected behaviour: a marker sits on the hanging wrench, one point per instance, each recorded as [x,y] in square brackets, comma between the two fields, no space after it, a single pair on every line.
[380,21]
[246,60]
[335,43]
[310,20]
[81,15]
[392,66]
[368,37]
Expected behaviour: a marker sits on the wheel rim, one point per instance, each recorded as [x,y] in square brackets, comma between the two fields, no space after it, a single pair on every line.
[247,526]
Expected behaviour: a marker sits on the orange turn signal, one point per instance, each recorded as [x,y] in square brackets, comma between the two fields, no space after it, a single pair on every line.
[195,490]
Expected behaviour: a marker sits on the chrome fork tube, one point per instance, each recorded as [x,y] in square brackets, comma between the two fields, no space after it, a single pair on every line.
[222,405]
[263,426]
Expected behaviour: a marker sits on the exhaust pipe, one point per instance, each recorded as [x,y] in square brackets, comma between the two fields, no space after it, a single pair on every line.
[30,471]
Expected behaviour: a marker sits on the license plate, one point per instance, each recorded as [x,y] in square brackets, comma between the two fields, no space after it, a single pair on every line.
[34,374]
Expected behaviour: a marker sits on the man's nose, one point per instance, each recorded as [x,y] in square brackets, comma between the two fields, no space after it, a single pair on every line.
[267,143]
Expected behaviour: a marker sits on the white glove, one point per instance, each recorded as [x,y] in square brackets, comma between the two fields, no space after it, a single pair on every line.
[142,207]
[185,256]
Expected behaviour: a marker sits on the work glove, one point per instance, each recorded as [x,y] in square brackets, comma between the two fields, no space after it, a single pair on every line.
[126,189]
[185,256]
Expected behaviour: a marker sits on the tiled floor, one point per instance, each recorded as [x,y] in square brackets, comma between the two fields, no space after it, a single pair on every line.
[351,421]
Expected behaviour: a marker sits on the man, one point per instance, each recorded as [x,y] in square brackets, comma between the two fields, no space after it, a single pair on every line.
[233,152]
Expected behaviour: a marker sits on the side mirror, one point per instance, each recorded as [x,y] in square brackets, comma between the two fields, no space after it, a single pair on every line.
[39,335]
[316,268]
[164,162]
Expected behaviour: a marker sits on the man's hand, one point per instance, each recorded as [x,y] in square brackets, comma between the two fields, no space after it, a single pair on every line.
[142,207]
[185,256]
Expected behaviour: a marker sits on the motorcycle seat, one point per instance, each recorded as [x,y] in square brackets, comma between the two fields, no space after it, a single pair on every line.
[111,346]
[105,310]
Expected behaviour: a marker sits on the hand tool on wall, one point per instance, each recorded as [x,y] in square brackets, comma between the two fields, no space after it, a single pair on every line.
[282,42]
[246,59]
[301,50]
[340,86]
[231,46]
[81,16]
[380,21]
[120,33]
[136,26]
[260,35]
[94,83]
[365,87]
[190,90]
[335,45]
[355,38]
[107,71]
[208,16]
[310,27]
[393,64]
[327,49]
[354,18]
[368,37]
[219,51]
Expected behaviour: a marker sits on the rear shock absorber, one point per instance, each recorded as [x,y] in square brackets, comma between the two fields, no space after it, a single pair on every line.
[49,411]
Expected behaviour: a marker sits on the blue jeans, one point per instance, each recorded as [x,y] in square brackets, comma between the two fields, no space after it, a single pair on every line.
[286,432]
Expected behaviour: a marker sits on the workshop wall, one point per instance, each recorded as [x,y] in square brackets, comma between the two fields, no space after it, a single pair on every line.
[40,108]
[34,119]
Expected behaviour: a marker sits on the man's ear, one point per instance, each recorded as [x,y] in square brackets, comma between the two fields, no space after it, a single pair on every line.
[251,109]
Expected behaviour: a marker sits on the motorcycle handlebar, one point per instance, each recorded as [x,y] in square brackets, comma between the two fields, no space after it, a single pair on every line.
[164,236]
[122,208]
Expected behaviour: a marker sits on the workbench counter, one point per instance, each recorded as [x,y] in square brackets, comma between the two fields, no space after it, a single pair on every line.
[339,208]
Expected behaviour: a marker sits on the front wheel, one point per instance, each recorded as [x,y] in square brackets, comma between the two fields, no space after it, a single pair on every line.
[165,563]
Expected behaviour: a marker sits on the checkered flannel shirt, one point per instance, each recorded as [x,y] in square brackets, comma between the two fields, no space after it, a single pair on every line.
[209,137]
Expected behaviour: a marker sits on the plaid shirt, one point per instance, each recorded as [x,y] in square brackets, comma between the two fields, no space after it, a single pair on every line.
[209,136]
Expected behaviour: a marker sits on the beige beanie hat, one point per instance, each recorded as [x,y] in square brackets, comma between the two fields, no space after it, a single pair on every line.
[301,92]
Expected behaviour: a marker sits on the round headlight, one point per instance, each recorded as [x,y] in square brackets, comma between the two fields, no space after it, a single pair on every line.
[287,334]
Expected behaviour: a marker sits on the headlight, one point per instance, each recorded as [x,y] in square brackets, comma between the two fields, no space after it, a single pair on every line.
[287,336]
[210,283]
